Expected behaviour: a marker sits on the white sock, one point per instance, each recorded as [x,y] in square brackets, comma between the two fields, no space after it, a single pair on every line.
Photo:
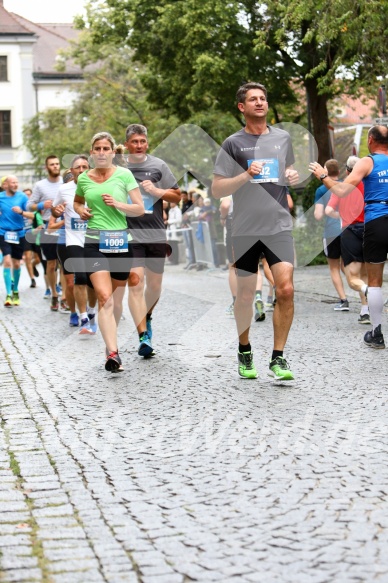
[376,304]
[364,310]
[83,316]
[91,311]
[364,289]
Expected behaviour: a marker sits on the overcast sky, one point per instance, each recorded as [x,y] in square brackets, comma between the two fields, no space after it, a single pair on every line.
[46,10]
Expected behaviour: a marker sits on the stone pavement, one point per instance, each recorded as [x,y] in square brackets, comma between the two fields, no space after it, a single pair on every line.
[177,470]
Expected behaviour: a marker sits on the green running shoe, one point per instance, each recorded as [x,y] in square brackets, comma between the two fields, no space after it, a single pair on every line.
[15,298]
[246,368]
[259,310]
[279,369]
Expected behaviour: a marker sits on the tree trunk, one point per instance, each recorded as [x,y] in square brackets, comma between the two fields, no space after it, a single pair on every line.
[320,120]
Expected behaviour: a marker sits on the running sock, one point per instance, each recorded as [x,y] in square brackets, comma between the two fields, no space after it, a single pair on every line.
[376,305]
[141,334]
[91,311]
[84,316]
[276,353]
[364,310]
[16,278]
[148,317]
[258,294]
[244,348]
[234,299]
[364,289]
[7,280]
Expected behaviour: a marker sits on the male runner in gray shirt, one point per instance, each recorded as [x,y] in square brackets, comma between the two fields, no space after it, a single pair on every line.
[255,165]
[157,184]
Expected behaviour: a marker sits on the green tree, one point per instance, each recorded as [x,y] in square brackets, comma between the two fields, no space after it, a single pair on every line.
[110,98]
[197,53]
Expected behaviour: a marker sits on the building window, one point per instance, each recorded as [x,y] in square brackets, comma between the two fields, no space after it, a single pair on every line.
[3,69]
[5,128]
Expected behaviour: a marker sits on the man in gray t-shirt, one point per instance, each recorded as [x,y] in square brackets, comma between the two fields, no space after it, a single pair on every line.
[255,165]
[157,184]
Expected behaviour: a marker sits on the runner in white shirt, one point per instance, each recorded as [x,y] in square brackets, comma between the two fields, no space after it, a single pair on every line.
[71,254]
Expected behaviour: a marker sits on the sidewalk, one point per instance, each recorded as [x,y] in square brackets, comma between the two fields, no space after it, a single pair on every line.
[177,470]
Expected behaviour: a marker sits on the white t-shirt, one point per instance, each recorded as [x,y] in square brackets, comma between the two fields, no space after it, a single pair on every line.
[75,227]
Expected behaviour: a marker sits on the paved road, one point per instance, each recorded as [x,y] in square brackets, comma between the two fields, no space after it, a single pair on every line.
[177,470]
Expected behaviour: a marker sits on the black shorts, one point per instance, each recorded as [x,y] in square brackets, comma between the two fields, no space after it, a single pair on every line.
[16,250]
[71,257]
[150,255]
[351,244]
[376,240]
[49,251]
[332,247]
[117,264]
[27,242]
[247,251]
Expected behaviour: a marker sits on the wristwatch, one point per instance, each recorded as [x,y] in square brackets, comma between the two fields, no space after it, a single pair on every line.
[323,176]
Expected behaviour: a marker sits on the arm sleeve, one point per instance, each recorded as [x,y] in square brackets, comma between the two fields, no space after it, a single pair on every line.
[79,191]
[225,164]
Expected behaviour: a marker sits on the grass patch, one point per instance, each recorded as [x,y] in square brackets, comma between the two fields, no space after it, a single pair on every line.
[364,143]
[14,465]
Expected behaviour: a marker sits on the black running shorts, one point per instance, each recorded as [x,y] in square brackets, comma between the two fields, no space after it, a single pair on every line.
[118,264]
[352,244]
[16,250]
[376,240]
[247,251]
[332,247]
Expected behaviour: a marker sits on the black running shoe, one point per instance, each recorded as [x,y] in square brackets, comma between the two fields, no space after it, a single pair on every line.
[374,338]
[113,362]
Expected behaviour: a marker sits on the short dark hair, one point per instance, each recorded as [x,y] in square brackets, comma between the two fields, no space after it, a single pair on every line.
[50,158]
[332,167]
[80,156]
[135,128]
[243,90]
[379,134]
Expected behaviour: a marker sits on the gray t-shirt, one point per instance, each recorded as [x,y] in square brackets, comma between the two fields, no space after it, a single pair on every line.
[42,191]
[150,227]
[259,206]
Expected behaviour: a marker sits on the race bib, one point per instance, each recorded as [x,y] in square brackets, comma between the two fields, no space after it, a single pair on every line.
[12,237]
[270,171]
[113,242]
[78,225]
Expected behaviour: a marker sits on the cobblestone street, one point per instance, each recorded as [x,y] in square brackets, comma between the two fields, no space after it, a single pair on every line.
[177,470]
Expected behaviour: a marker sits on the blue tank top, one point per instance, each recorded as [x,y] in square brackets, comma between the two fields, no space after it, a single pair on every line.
[376,188]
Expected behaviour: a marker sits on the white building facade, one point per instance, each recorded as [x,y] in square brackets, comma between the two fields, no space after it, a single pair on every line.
[29,83]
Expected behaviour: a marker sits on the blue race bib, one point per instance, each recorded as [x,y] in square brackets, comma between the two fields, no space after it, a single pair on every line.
[113,241]
[270,171]
[78,225]
[12,237]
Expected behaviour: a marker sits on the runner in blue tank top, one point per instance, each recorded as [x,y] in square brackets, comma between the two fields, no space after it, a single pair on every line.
[373,170]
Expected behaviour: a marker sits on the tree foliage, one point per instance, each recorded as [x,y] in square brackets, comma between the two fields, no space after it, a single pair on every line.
[196,54]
